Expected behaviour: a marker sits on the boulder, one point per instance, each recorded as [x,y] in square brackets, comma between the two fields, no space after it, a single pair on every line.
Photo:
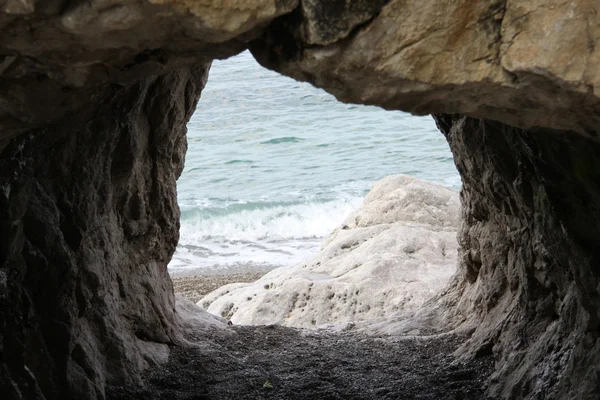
[393,253]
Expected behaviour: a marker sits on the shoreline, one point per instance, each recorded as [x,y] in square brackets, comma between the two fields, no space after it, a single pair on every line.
[195,287]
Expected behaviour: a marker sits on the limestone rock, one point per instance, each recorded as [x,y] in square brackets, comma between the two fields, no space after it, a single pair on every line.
[196,319]
[393,253]
[54,57]
[528,277]
[525,63]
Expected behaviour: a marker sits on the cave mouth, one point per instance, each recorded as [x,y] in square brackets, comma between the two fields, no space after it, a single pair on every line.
[273,166]
[94,101]
[90,221]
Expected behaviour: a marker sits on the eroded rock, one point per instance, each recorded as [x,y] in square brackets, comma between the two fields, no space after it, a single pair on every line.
[325,22]
[525,63]
[93,101]
[392,254]
[89,221]
[528,259]
[54,57]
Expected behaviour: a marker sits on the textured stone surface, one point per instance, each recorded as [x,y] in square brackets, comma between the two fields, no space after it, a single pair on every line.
[528,276]
[89,220]
[522,62]
[392,254]
[325,22]
[54,55]
[94,96]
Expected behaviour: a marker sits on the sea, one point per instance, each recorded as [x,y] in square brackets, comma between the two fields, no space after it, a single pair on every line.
[274,165]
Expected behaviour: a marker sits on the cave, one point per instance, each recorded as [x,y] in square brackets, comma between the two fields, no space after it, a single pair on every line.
[94,101]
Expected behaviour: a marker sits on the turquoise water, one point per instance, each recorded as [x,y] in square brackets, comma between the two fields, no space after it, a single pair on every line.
[273,165]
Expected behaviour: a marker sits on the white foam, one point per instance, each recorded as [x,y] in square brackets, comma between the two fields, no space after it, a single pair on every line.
[300,221]
[259,238]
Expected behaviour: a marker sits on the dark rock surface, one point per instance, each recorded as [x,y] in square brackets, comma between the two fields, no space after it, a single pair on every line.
[528,274]
[312,365]
[89,220]
[325,22]
[94,97]
[56,55]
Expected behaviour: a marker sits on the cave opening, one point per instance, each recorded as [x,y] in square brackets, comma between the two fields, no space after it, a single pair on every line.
[94,101]
[273,166]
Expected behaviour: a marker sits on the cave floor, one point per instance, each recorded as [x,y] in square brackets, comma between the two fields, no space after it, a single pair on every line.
[273,362]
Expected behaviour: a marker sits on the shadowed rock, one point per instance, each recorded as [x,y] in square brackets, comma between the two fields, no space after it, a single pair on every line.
[94,97]
[89,221]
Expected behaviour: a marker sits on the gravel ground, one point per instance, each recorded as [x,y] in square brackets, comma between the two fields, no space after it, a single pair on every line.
[274,362]
[196,287]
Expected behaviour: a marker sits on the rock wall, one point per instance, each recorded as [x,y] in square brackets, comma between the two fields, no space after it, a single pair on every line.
[89,220]
[529,255]
[94,98]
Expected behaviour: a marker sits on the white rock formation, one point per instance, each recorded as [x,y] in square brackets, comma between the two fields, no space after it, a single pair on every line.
[393,253]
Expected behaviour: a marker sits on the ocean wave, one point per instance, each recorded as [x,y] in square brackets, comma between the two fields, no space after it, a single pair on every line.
[268,221]
[287,139]
[224,235]
[239,162]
